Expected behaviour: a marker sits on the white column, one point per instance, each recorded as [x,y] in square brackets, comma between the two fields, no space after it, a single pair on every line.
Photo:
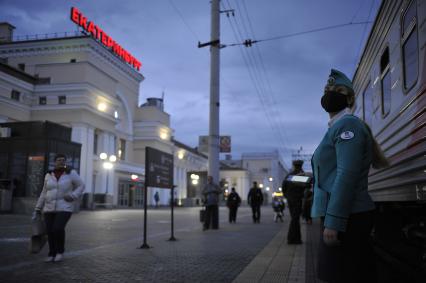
[185,182]
[79,135]
[89,165]
[182,183]
[84,134]
[103,144]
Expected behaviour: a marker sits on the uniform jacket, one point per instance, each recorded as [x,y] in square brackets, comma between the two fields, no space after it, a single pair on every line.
[255,197]
[52,196]
[291,190]
[211,194]
[340,165]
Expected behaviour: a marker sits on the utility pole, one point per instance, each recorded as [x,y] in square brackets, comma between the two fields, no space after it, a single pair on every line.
[214,92]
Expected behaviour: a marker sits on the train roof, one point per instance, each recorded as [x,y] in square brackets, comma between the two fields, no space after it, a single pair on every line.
[369,37]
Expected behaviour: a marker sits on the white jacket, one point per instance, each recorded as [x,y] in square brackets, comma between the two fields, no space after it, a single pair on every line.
[52,195]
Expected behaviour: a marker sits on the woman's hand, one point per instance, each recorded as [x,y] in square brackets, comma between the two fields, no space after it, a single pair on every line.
[330,237]
[68,198]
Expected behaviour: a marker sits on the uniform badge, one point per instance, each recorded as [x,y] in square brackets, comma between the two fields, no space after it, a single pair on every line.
[331,80]
[347,135]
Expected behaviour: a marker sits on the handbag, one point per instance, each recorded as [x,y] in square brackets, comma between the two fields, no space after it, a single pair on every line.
[38,235]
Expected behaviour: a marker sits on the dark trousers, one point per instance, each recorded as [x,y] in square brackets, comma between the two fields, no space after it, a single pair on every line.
[233,213]
[307,210]
[294,235]
[55,226]
[255,209]
[212,216]
[353,260]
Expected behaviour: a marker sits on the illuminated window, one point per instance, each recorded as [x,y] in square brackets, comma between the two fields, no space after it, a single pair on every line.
[122,149]
[385,82]
[410,53]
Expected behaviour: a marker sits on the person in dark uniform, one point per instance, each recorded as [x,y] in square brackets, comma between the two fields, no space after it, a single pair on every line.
[255,200]
[340,166]
[211,194]
[293,192]
[233,202]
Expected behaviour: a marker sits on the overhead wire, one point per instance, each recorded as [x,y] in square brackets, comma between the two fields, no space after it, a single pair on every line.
[183,20]
[255,76]
[301,33]
[363,35]
[357,11]
[264,84]
[274,103]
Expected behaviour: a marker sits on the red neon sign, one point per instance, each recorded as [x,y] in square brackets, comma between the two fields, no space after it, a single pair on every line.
[97,33]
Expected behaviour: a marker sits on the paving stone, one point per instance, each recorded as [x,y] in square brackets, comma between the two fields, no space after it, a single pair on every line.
[102,247]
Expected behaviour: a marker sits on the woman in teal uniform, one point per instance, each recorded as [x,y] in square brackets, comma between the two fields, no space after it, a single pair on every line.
[340,165]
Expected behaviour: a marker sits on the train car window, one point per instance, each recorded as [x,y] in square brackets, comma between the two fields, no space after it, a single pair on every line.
[385,82]
[410,46]
[368,104]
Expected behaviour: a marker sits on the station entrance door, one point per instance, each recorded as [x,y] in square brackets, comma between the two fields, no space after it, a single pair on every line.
[130,194]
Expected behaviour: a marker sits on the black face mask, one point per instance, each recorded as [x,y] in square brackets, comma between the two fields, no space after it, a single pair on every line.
[333,101]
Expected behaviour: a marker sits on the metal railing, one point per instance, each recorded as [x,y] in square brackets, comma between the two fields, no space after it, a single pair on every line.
[47,35]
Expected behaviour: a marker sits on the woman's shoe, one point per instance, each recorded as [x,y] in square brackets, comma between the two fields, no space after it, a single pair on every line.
[49,259]
[58,258]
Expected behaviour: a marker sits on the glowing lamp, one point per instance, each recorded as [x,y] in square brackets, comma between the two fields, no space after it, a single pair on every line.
[108,165]
[102,107]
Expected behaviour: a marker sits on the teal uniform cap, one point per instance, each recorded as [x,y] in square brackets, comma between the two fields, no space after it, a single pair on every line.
[338,78]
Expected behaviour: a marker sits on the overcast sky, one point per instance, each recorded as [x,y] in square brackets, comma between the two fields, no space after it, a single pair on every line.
[270,92]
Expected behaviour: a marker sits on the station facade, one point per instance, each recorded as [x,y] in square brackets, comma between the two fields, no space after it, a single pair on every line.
[76,81]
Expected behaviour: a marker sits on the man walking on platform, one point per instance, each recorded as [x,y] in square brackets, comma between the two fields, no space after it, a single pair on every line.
[211,194]
[255,200]
[233,202]
[293,192]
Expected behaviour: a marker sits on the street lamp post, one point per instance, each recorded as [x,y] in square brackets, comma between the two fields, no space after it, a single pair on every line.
[108,164]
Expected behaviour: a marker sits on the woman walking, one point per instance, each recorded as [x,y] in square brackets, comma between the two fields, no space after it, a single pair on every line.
[61,192]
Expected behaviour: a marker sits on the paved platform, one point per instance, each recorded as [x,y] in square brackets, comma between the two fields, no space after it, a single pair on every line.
[102,246]
[278,261]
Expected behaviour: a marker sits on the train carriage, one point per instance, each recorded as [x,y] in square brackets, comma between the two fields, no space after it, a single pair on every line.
[390,82]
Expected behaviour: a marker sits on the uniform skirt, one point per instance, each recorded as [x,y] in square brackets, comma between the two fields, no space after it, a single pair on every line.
[353,260]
